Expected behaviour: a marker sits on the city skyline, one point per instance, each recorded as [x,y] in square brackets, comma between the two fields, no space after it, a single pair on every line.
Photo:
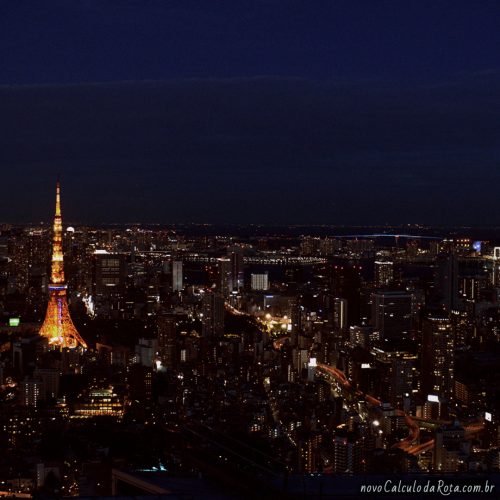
[284,358]
[273,267]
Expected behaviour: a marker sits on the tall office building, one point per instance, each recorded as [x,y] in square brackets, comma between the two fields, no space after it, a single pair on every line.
[260,281]
[360,335]
[346,284]
[308,448]
[50,378]
[225,283]
[347,455]
[391,315]
[109,273]
[58,327]
[438,357]
[495,268]
[237,270]
[38,248]
[340,314]
[167,340]
[384,273]
[177,279]
[398,376]
[31,392]
[296,313]
[213,315]
[450,449]
[447,282]
[140,382]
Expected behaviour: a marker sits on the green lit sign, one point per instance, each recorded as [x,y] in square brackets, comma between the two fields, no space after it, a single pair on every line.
[14,321]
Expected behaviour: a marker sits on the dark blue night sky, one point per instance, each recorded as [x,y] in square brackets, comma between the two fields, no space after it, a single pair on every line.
[270,111]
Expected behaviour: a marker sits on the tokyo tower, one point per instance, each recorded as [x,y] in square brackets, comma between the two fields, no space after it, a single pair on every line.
[58,326]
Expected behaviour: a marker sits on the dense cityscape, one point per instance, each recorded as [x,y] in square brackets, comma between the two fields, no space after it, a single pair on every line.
[219,362]
[249,249]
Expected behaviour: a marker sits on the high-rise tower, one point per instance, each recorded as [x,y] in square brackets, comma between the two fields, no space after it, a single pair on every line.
[58,326]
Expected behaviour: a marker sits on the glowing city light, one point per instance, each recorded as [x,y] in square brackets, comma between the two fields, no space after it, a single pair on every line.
[58,326]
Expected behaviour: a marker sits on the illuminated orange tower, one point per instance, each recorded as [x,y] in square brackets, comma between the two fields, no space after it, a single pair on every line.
[58,326]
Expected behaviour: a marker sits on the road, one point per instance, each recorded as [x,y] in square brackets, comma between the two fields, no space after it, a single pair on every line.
[409,443]
[414,430]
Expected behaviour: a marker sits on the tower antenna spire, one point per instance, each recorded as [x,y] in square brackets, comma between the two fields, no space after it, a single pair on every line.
[58,326]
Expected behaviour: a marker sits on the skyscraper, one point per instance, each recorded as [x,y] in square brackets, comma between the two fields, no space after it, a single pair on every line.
[260,281]
[31,392]
[346,283]
[58,327]
[447,273]
[177,280]
[225,285]
[213,315]
[438,357]
[340,314]
[384,273]
[167,340]
[109,273]
[450,448]
[237,269]
[391,315]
